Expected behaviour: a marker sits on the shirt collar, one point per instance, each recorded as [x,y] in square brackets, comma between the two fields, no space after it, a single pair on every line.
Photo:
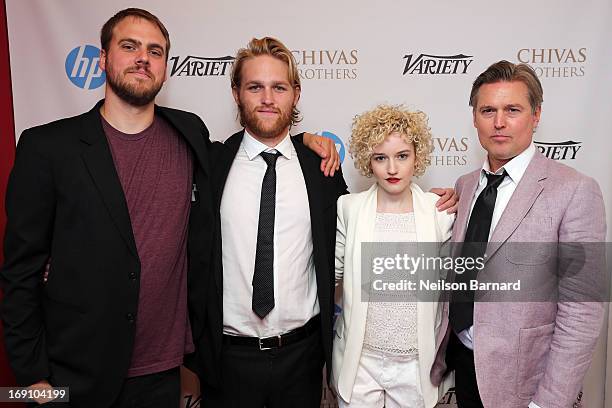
[515,168]
[254,147]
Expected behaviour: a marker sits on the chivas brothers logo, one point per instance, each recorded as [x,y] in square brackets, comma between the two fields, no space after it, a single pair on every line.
[192,66]
[449,151]
[555,62]
[426,64]
[327,64]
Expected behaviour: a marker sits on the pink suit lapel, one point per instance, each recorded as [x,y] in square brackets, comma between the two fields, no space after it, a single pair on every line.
[527,191]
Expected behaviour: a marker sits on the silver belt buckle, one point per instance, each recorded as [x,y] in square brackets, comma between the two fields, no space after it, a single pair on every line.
[261,346]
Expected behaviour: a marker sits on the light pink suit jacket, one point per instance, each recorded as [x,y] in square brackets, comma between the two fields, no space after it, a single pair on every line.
[533,351]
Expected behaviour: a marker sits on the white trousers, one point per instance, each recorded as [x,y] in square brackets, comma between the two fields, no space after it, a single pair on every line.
[385,380]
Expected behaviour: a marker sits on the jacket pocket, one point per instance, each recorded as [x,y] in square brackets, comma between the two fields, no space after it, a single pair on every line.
[533,248]
[534,346]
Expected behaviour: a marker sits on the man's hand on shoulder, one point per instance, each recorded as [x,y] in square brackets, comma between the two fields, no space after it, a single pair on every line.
[449,200]
[326,149]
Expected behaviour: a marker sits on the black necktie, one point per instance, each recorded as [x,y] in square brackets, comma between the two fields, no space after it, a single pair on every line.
[461,314]
[263,276]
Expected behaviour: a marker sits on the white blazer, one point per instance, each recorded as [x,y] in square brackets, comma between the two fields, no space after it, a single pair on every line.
[356,218]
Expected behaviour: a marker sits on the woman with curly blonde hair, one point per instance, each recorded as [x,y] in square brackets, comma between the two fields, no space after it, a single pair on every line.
[383,351]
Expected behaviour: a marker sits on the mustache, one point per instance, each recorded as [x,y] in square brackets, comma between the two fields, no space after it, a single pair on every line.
[267,108]
[140,68]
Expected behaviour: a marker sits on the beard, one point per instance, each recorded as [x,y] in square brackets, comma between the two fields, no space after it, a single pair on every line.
[260,128]
[131,93]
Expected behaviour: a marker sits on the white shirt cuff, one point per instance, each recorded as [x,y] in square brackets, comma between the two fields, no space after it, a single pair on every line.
[533,405]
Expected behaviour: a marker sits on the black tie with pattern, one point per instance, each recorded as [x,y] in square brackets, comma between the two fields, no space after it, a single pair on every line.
[461,313]
[263,276]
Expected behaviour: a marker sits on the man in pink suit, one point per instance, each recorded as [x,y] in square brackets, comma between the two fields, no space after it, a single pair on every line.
[520,353]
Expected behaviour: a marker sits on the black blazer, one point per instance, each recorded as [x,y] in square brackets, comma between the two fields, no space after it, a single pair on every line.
[323,193]
[65,203]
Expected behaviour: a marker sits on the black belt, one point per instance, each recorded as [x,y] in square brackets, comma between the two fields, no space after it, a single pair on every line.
[282,340]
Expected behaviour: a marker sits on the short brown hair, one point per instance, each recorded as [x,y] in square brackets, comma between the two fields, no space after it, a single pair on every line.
[508,72]
[106,33]
[274,48]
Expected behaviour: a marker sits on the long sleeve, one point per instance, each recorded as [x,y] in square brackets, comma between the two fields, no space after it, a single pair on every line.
[30,206]
[579,316]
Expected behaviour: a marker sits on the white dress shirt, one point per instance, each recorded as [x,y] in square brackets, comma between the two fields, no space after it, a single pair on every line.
[295,286]
[515,169]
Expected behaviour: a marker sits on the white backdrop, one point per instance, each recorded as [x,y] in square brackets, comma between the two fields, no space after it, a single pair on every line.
[352,55]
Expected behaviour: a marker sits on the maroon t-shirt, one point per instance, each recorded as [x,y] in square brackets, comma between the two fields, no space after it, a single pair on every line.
[155,170]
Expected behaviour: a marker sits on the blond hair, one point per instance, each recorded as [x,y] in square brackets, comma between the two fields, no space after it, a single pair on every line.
[274,48]
[371,128]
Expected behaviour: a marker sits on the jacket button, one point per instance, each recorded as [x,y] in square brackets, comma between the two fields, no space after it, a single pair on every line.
[132,275]
[130,317]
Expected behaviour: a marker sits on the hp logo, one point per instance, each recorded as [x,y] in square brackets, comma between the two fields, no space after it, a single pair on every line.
[339,144]
[82,67]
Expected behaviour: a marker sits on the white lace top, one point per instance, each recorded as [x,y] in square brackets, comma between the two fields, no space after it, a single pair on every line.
[391,327]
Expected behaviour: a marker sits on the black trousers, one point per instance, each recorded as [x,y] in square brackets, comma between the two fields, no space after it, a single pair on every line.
[290,376]
[461,359]
[157,390]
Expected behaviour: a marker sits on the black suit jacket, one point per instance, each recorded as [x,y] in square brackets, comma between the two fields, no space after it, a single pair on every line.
[323,193]
[65,203]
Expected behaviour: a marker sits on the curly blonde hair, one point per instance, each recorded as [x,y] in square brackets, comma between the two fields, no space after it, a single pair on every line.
[371,128]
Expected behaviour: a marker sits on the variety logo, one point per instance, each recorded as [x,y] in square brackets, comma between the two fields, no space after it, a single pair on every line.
[555,62]
[426,64]
[192,66]
[559,150]
[311,64]
[338,142]
[82,67]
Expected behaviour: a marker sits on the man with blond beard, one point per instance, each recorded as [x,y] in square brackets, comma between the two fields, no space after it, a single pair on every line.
[270,304]
[115,203]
